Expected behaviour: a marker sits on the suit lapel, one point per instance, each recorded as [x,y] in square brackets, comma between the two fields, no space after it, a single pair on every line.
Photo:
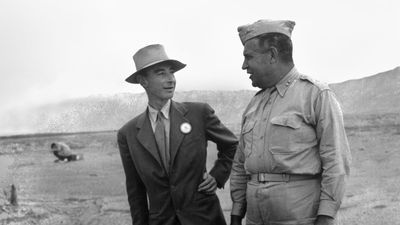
[177,117]
[146,136]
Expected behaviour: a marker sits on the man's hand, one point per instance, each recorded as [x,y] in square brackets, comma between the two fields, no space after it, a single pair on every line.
[236,220]
[324,220]
[209,184]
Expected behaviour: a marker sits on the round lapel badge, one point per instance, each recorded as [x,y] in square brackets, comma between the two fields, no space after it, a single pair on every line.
[186,128]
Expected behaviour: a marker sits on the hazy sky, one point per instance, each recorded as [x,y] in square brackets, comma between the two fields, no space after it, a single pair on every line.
[55,49]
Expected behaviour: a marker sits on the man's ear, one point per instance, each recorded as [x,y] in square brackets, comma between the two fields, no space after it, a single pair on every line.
[274,55]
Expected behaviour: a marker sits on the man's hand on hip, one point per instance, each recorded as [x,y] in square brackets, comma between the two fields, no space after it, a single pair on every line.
[324,220]
[209,184]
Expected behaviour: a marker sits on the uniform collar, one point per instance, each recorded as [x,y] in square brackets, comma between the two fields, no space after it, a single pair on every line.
[164,110]
[286,81]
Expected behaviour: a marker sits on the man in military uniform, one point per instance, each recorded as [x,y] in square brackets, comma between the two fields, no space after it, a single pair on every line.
[293,153]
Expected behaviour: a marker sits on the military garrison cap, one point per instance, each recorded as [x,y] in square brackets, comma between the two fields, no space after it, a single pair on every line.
[250,31]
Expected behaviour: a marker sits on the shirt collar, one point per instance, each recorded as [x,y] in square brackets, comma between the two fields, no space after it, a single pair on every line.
[164,110]
[286,81]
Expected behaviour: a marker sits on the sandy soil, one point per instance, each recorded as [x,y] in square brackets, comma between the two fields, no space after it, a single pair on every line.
[92,191]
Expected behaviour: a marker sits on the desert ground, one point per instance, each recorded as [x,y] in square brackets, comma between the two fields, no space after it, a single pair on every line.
[92,191]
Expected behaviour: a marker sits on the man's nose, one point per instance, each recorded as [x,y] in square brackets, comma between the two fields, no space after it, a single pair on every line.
[244,65]
[171,77]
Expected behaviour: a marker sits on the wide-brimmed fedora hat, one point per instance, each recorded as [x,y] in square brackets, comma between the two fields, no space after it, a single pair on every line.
[149,56]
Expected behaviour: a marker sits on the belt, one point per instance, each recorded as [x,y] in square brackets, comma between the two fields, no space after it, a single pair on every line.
[280,177]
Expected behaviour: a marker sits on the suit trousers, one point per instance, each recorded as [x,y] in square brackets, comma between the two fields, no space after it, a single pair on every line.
[282,203]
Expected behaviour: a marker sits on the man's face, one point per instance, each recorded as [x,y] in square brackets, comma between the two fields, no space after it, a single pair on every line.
[257,64]
[159,82]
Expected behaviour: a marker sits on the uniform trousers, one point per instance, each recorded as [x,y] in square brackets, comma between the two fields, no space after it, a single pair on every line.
[283,203]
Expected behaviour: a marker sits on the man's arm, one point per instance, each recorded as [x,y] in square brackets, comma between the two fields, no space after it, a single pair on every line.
[334,152]
[226,145]
[238,186]
[136,190]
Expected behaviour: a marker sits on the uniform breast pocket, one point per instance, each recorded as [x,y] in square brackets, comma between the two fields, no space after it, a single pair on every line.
[248,136]
[288,133]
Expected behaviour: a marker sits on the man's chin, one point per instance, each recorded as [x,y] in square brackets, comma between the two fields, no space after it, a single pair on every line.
[254,84]
[168,95]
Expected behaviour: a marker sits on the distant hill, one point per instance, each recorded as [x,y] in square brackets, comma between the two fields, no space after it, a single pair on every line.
[98,113]
[377,94]
[367,100]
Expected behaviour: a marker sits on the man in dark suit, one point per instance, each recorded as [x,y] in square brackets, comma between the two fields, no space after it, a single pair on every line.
[164,150]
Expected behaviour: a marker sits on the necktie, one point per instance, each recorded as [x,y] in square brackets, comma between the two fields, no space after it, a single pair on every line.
[160,136]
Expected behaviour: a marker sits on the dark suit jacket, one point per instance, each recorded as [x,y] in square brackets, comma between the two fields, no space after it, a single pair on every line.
[174,196]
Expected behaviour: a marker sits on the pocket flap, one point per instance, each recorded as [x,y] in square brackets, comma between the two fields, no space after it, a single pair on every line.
[292,121]
[248,126]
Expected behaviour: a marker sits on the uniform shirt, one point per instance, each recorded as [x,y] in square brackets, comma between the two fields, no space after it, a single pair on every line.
[153,119]
[295,127]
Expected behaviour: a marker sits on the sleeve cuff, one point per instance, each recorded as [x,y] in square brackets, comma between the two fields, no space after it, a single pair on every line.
[328,208]
[238,209]
[218,179]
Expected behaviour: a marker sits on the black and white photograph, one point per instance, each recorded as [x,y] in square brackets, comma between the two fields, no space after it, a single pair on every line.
[199,112]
